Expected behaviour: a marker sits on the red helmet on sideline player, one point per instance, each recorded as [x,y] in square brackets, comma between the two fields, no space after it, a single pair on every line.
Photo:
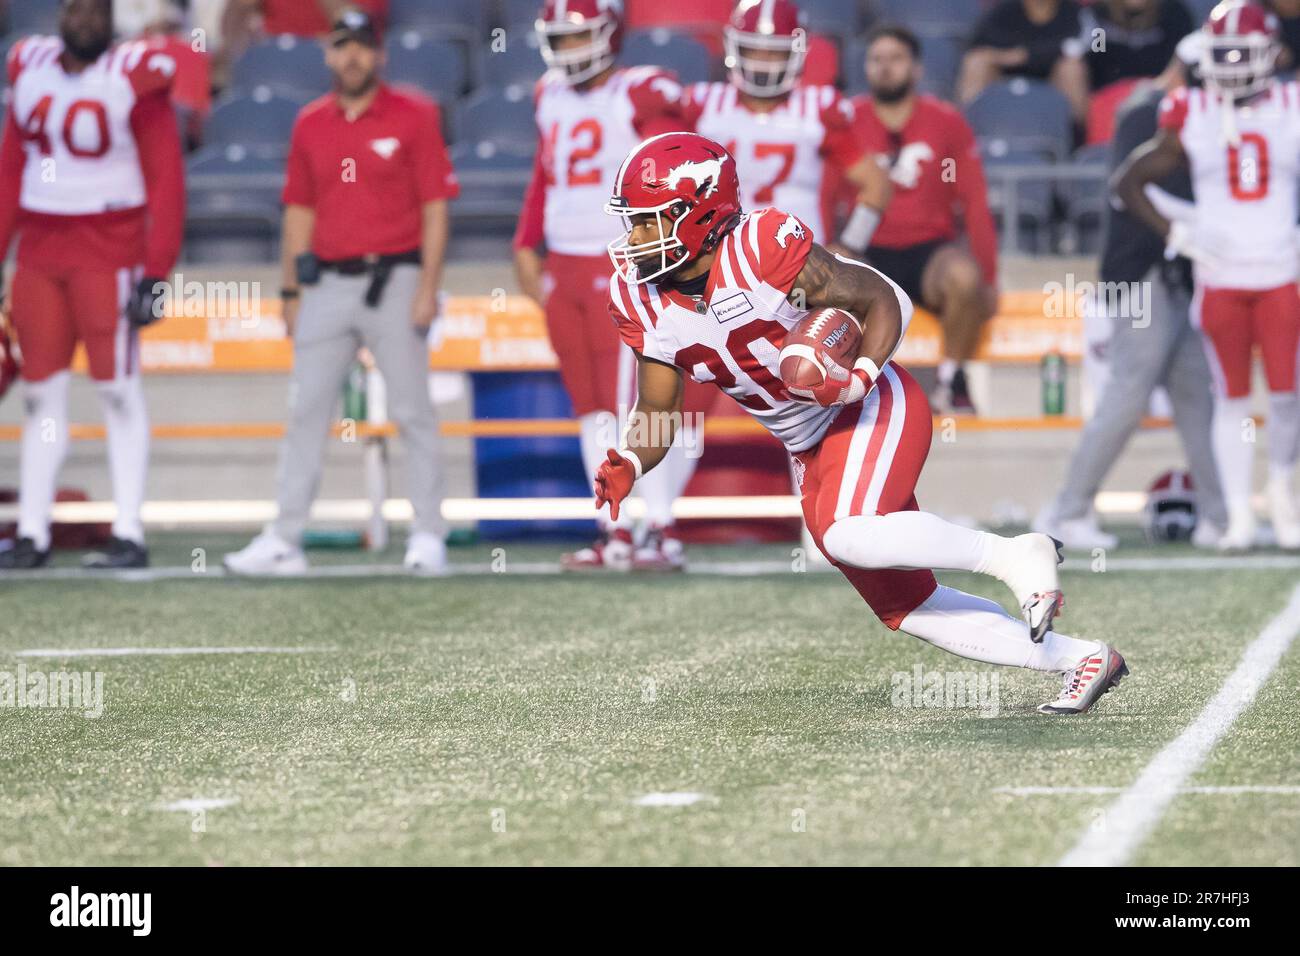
[1240,49]
[690,178]
[765,25]
[602,19]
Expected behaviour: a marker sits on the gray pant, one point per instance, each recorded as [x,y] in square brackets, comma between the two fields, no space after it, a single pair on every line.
[1167,352]
[332,323]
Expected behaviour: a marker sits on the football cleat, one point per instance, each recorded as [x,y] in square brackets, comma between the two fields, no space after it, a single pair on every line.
[1086,681]
[609,552]
[1206,535]
[660,551]
[267,555]
[1029,569]
[1077,534]
[425,554]
[23,556]
[1240,535]
[120,554]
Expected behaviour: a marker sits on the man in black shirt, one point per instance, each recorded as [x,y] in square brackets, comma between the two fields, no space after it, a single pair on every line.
[1157,347]
[1039,39]
[1132,38]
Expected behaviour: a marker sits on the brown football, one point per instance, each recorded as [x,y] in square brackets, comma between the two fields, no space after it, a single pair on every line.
[822,343]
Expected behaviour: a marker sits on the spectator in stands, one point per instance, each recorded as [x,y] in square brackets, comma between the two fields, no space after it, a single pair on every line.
[1126,39]
[365,232]
[936,175]
[162,23]
[1160,350]
[247,20]
[1039,39]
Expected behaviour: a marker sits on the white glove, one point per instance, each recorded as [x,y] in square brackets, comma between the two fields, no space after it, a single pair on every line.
[1181,241]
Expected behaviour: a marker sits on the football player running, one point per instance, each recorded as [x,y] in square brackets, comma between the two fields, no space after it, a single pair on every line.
[704,289]
[1240,136]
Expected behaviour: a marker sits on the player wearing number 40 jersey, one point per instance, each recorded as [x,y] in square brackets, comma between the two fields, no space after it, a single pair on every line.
[705,290]
[590,112]
[1240,136]
[91,181]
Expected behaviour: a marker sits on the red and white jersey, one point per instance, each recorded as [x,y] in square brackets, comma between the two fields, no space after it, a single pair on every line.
[82,156]
[781,154]
[584,135]
[1245,194]
[732,336]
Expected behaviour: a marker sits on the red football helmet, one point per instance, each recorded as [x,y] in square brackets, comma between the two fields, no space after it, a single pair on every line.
[688,183]
[1240,48]
[600,20]
[766,46]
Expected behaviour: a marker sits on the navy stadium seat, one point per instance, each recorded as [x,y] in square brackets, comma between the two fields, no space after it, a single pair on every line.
[953,18]
[519,63]
[284,63]
[516,13]
[1084,200]
[1033,195]
[436,65]
[832,18]
[465,18]
[492,180]
[233,203]
[261,118]
[502,116]
[684,55]
[1025,115]
[33,16]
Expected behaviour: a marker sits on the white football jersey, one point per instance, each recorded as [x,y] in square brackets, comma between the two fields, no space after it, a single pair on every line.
[82,157]
[733,335]
[585,136]
[1245,194]
[780,155]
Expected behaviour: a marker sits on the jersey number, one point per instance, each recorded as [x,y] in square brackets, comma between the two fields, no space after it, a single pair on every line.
[765,194]
[1248,168]
[34,127]
[582,171]
[740,346]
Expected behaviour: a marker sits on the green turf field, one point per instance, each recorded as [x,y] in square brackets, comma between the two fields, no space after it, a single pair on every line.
[518,718]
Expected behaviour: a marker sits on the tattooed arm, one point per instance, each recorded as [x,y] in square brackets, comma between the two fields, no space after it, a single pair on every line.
[831,282]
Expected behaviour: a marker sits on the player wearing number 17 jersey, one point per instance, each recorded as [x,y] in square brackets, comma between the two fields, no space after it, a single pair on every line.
[91,181]
[1240,136]
[705,290]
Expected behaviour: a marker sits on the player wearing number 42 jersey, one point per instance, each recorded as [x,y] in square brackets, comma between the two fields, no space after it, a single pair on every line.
[1240,136]
[701,288]
[91,181]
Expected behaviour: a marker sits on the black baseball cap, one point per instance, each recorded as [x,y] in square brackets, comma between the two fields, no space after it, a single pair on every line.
[354,24]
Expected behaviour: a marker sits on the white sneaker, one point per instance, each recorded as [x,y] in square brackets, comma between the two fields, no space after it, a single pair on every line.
[425,554]
[1206,535]
[1028,566]
[1286,520]
[1086,681]
[1240,535]
[1084,534]
[267,555]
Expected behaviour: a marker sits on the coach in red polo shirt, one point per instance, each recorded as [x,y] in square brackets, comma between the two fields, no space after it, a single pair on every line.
[365,229]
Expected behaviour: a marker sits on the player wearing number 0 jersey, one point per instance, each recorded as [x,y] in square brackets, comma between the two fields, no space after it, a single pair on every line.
[1240,136]
[702,289]
[590,112]
[91,182]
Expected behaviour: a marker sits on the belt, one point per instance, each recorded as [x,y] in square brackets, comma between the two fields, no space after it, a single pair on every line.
[363,264]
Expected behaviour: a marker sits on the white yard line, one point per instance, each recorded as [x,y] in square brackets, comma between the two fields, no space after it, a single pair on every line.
[1212,791]
[673,799]
[200,803]
[1139,808]
[160,651]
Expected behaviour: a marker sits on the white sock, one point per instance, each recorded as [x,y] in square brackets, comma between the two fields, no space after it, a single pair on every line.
[127,418]
[597,433]
[979,630]
[1234,456]
[947,369]
[1283,430]
[44,446]
[910,539]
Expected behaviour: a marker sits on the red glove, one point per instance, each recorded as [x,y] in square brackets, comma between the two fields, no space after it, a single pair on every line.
[614,480]
[832,392]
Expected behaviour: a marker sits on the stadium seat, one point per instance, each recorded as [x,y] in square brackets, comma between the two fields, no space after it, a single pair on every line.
[1033,195]
[287,64]
[518,13]
[951,18]
[519,63]
[466,18]
[1024,115]
[33,16]
[492,178]
[832,17]
[436,65]
[264,117]
[853,74]
[501,116]
[1084,200]
[233,206]
[684,55]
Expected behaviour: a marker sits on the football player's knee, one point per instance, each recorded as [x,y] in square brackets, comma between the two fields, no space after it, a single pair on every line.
[848,540]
